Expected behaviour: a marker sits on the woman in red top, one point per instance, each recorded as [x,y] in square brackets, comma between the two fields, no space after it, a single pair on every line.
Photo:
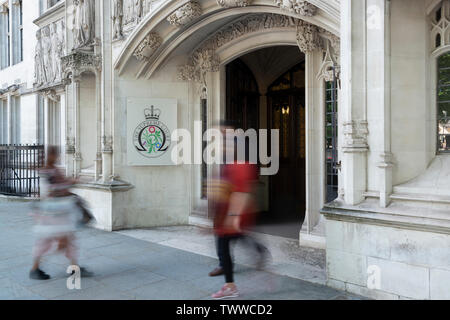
[235,211]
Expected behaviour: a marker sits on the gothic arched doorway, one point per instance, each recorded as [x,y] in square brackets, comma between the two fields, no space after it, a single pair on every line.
[258,97]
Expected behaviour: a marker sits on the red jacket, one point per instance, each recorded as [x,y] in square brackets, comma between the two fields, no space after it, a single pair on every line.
[240,178]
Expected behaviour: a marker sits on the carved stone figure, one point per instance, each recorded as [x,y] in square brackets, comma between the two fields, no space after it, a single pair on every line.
[302,7]
[46,53]
[148,46]
[233,3]
[137,10]
[60,49]
[84,23]
[38,61]
[56,70]
[117,17]
[185,14]
[128,8]
[308,38]
[146,6]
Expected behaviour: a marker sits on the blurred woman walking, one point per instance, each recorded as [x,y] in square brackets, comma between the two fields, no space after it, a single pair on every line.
[56,216]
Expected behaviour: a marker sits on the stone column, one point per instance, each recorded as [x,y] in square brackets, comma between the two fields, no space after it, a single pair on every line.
[99,107]
[310,44]
[107,94]
[75,90]
[353,100]
[379,92]
[9,121]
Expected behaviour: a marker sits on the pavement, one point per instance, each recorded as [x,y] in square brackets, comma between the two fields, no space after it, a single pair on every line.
[128,268]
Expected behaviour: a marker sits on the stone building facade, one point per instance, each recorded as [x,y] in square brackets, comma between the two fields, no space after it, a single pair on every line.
[360,85]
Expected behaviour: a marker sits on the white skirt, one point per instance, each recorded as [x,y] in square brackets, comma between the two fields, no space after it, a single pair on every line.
[56,216]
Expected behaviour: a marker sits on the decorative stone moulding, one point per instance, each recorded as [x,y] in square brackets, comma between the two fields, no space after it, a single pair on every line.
[78,62]
[50,47]
[308,38]
[301,7]
[185,14]
[148,46]
[204,59]
[70,145]
[355,136]
[440,29]
[233,3]
[107,142]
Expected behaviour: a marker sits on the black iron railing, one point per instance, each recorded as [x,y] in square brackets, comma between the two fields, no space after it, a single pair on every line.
[19,165]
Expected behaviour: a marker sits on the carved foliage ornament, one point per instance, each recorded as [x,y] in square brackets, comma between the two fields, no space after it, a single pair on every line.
[148,46]
[185,14]
[233,3]
[308,38]
[301,7]
[205,59]
[79,62]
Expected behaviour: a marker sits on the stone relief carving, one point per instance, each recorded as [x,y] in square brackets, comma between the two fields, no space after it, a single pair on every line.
[233,3]
[117,19]
[439,29]
[301,7]
[148,46]
[204,59]
[185,14]
[326,71]
[127,14]
[70,145]
[308,38]
[355,136]
[77,62]
[107,142]
[83,23]
[50,47]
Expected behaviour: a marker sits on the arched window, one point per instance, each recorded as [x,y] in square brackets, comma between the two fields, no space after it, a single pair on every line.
[443,104]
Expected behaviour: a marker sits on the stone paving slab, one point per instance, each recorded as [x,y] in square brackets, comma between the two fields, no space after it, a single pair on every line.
[129,268]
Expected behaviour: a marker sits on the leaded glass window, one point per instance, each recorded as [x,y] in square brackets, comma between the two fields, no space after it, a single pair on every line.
[331,134]
[443,104]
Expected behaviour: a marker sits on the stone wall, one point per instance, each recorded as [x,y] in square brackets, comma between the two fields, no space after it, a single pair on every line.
[412,264]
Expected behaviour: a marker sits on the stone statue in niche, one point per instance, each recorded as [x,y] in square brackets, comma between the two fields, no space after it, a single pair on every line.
[60,48]
[38,61]
[46,53]
[137,10]
[128,11]
[56,70]
[146,7]
[117,18]
[84,23]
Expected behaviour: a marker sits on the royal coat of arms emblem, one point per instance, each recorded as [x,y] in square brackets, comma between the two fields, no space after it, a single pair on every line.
[151,138]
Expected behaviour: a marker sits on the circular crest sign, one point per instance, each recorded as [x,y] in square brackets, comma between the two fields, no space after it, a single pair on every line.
[152,137]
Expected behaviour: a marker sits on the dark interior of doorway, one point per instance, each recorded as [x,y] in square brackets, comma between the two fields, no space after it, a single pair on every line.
[285,111]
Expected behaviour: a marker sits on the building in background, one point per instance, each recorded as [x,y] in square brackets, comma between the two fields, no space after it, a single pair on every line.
[357,90]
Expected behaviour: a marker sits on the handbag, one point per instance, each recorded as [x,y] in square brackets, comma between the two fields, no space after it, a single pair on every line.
[86,213]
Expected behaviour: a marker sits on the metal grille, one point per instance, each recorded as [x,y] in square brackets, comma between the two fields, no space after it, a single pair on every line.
[331,134]
[19,166]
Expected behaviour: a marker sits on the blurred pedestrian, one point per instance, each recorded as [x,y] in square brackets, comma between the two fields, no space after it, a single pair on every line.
[234,211]
[56,217]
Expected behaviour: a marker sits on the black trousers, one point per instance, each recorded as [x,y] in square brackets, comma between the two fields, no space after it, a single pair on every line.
[224,252]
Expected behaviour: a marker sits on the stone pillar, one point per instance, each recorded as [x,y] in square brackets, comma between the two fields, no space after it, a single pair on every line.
[379,92]
[353,100]
[10,119]
[99,107]
[310,43]
[107,94]
[75,90]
